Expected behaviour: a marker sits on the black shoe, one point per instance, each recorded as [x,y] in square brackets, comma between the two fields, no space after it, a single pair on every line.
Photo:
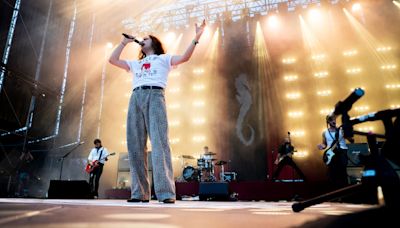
[168,201]
[136,201]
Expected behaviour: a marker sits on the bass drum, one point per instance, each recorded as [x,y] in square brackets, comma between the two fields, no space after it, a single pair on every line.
[190,174]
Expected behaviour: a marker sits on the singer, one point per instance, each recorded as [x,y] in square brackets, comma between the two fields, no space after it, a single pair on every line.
[147,114]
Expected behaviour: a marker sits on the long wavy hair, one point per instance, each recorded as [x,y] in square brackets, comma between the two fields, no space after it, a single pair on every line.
[156,45]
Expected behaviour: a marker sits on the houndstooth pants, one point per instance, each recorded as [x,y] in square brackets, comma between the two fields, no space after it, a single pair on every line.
[147,115]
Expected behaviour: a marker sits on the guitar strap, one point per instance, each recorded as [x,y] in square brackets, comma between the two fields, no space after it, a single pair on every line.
[101,153]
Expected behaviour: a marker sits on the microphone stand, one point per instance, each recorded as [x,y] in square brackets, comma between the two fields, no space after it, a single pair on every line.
[377,171]
[66,155]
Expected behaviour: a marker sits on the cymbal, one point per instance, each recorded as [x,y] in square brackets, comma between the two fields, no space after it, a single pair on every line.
[187,156]
[221,163]
[210,153]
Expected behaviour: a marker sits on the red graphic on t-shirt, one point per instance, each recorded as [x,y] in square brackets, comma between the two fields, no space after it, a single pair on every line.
[146,66]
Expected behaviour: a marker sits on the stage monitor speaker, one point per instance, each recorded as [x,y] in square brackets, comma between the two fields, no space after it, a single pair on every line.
[355,152]
[74,189]
[214,191]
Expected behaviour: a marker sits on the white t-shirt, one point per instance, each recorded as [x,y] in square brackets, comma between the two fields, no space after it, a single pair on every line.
[95,155]
[150,71]
[330,136]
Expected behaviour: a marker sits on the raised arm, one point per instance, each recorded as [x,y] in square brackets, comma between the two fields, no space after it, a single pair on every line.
[178,59]
[115,55]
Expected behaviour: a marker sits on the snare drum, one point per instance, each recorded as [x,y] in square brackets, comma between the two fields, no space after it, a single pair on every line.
[190,173]
[201,163]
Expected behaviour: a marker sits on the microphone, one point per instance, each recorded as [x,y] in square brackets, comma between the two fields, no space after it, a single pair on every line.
[344,106]
[132,38]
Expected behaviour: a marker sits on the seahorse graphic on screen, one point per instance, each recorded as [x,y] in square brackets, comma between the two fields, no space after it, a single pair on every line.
[244,98]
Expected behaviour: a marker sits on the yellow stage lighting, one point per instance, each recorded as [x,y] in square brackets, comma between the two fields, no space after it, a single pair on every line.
[355,70]
[289,60]
[321,74]
[198,87]
[199,121]
[198,103]
[293,96]
[319,57]
[109,45]
[198,71]
[174,123]
[295,114]
[298,133]
[290,78]
[397,4]
[174,74]
[367,129]
[388,67]
[350,53]
[273,21]
[314,15]
[170,38]
[361,108]
[324,93]
[174,140]
[174,106]
[392,86]
[356,7]
[325,111]
[300,154]
[395,106]
[384,49]
[199,138]
[174,90]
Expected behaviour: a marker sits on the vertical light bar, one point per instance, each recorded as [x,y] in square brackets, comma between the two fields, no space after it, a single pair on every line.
[103,78]
[10,36]
[85,82]
[67,53]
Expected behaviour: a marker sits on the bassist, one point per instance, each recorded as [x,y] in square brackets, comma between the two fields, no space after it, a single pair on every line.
[335,155]
[97,157]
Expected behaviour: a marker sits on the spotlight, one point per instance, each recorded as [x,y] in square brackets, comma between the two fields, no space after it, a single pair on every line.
[356,7]
[273,21]
[109,45]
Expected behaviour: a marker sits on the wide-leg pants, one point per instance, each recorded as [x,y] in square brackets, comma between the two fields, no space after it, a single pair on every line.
[147,116]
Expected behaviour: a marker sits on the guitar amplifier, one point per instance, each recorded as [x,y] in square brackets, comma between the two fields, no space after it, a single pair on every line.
[218,191]
[355,151]
[74,189]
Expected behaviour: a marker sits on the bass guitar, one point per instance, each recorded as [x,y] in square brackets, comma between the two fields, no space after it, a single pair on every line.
[94,164]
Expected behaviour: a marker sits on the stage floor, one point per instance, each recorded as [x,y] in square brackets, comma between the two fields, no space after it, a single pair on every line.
[119,214]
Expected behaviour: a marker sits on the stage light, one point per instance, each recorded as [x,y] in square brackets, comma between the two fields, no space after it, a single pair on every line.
[199,138]
[174,74]
[297,114]
[321,74]
[392,86]
[366,129]
[388,67]
[300,154]
[325,111]
[273,21]
[289,60]
[174,140]
[293,96]
[198,71]
[356,7]
[198,103]
[174,90]
[174,106]
[170,38]
[324,93]
[127,94]
[319,57]
[350,53]
[397,4]
[174,123]
[395,106]
[129,79]
[198,121]
[198,87]
[123,125]
[353,70]
[314,15]
[361,108]
[298,133]
[123,142]
[290,78]
[352,89]
[125,110]
[384,49]
[109,45]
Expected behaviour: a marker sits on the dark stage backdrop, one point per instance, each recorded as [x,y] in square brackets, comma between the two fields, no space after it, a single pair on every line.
[250,124]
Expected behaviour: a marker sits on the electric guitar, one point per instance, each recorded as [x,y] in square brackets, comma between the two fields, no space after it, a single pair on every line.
[94,164]
[329,153]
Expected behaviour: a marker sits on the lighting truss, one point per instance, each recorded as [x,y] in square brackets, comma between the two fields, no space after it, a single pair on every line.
[183,13]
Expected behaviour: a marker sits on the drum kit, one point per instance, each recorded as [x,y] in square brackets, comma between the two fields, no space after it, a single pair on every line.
[205,170]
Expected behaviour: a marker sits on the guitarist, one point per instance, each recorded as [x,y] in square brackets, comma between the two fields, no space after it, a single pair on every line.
[333,141]
[284,157]
[97,157]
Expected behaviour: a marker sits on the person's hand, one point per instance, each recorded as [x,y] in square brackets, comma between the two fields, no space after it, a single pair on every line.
[321,146]
[200,29]
[126,40]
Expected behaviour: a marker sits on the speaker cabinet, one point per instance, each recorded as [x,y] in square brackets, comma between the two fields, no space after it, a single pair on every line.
[74,189]
[214,191]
